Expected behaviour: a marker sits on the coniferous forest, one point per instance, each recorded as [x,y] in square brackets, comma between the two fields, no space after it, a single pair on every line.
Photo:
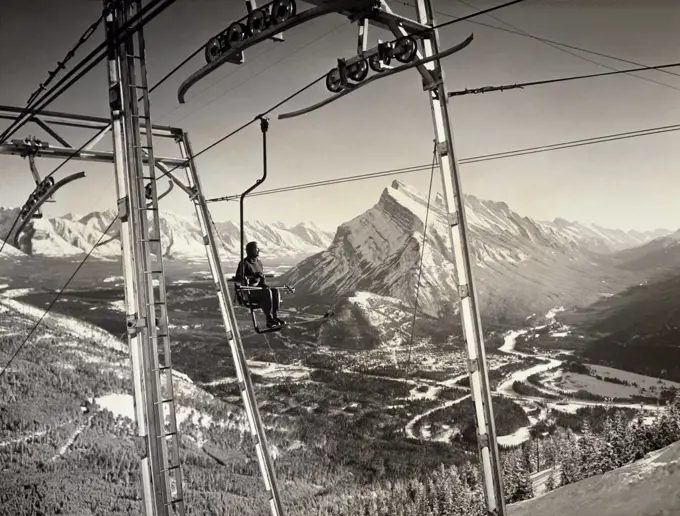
[99,475]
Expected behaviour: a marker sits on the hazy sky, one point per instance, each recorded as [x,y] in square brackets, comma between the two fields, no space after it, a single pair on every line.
[628,184]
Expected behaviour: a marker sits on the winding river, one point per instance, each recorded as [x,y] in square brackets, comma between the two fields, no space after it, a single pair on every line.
[505,389]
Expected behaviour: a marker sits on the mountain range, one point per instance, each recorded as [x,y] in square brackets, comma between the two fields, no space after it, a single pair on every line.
[74,235]
[521,266]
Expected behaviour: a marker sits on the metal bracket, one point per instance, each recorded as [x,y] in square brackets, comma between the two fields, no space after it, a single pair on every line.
[134,324]
[115,101]
[385,51]
[50,131]
[463,291]
[453,218]
[473,366]
[251,5]
[264,123]
[139,444]
[193,193]
[483,440]
[362,44]
[358,15]
[123,209]
[443,148]
[342,69]
[435,80]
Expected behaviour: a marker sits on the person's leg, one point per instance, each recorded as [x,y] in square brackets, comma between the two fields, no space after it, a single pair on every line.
[264,298]
[266,302]
[276,299]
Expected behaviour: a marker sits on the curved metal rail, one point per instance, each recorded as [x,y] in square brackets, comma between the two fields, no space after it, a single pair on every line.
[355,86]
[28,215]
[268,33]
[171,185]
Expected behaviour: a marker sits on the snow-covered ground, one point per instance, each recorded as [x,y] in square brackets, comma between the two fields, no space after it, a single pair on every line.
[69,325]
[644,488]
[122,405]
[118,306]
[16,292]
[274,371]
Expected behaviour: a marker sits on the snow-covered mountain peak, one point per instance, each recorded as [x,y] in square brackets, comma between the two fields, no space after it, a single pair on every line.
[403,204]
[515,258]
[181,238]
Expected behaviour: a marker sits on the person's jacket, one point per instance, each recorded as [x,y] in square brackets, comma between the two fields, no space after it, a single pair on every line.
[253,271]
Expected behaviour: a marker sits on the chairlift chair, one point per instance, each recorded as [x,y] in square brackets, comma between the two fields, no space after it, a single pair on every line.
[242,291]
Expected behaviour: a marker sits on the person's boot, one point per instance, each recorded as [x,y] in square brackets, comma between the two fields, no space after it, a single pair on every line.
[280,321]
[271,322]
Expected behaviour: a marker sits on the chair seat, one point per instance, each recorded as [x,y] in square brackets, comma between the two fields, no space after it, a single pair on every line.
[252,305]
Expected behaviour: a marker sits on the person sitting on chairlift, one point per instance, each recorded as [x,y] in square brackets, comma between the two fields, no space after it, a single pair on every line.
[251,273]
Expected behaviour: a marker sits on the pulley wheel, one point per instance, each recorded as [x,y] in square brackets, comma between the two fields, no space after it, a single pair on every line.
[405,50]
[358,71]
[212,50]
[234,35]
[49,182]
[375,64]
[282,10]
[333,83]
[257,21]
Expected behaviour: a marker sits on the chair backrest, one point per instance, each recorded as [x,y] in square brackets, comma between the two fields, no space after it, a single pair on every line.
[241,299]
[239,294]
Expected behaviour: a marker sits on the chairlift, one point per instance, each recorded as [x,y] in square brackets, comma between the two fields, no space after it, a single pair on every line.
[243,291]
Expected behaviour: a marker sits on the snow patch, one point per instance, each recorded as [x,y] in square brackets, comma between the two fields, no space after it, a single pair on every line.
[553,312]
[17,292]
[122,405]
[516,438]
[118,306]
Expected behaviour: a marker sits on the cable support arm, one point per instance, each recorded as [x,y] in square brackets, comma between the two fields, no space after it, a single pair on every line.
[350,88]
[264,126]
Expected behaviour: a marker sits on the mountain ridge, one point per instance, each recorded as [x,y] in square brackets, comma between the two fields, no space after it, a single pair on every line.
[74,235]
[520,265]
